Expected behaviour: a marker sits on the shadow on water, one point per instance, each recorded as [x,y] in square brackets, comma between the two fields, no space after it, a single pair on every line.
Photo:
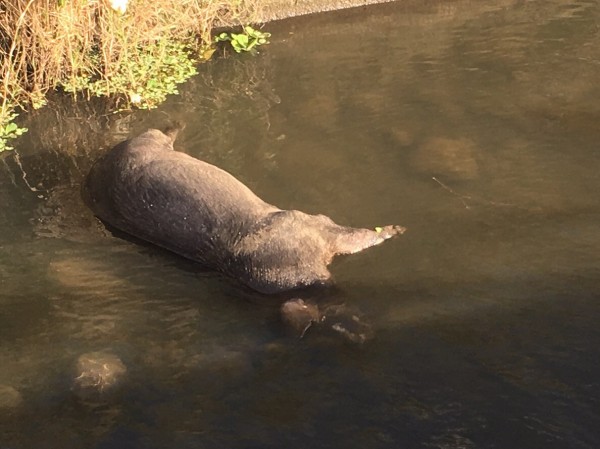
[474,124]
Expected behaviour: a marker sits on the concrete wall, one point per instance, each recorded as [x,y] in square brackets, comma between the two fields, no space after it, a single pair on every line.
[281,9]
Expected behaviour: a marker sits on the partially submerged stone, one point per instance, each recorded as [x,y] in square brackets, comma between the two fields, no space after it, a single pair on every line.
[10,397]
[349,323]
[447,157]
[98,372]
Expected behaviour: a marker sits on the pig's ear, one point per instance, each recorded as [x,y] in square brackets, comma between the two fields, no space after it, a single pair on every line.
[172,130]
[351,240]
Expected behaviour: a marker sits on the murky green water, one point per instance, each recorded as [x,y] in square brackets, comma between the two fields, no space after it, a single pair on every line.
[474,124]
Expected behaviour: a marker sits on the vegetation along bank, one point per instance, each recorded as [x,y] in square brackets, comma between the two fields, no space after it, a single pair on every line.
[133,51]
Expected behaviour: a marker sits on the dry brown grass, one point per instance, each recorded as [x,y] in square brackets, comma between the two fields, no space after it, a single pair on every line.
[49,43]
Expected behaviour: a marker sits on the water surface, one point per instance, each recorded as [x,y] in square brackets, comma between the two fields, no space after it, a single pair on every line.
[474,125]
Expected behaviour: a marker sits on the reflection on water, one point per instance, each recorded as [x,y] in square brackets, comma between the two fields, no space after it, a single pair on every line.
[474,124]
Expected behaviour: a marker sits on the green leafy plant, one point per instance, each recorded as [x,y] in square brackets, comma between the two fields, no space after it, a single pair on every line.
[8,128]
[245,41]
[87,46]
[147,75]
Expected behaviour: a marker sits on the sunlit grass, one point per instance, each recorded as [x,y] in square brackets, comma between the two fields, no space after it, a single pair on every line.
[136,50]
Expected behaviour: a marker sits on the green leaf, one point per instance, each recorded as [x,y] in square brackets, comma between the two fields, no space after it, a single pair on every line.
[251,45]
[241,39]
[223,37]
